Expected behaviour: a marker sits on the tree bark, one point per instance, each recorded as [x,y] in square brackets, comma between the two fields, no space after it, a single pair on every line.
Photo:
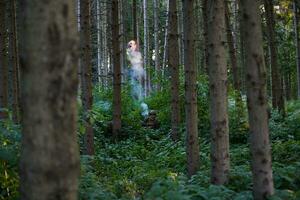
[156,44]
[134,21]
[122,40]
[166,41]
[14,60]
[257,101]
[3,62]
[217,66]
[173,62]
[99,37]
[190,89]
[296,7]
[86,73]
[117,70]
[146,67]
[241,46]
[277,94]
[49,165]
[232,52]
[205,35]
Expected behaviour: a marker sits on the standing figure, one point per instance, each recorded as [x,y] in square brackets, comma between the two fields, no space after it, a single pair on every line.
[137,72]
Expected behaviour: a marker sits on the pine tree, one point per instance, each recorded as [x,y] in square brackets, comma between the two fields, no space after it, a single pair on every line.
[190,89]
[257,101]
[49,165]
[217,68]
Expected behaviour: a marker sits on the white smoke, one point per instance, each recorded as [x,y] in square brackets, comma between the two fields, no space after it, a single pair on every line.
[137,73]
[145,109]
[137,76]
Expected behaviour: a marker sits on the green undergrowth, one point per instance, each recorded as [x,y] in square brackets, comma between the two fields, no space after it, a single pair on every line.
[145,164]
[150,166]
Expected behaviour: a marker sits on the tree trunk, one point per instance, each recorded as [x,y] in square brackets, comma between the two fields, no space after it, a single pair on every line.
[117,70]
[277,94]
[145,47]
[156,42]
[99,37]
[173,62]
[180,30]
[297,41]
[242,55]
[217,67]
[190,89]
[122,40]
[205,35]
[257,101]
[14,60]
[134,21]
[86,72]
[49,165]
[232,52]
[166,41]
[3,62]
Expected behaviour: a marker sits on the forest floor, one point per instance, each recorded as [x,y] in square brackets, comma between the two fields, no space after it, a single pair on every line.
[148,165]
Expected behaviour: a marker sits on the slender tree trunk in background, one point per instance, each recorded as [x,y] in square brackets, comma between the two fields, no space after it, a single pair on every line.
[106,26]
[166,41]
[14,57]
[109,68]
[146,67]
[217,68]
[49,165]
[232,53]
[99,60]
[241,47]
[235,24]
[156,42]
[117,69]
[123,42]
[138,22]
[180,30]
[277,94]
[257,101]
[3,62]
[297,41]
[134,21]
[86,72]
[173,62]
[190,89]
[200,42]
[205,36]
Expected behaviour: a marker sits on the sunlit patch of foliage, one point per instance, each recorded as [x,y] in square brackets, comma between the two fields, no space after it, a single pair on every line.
[9,158]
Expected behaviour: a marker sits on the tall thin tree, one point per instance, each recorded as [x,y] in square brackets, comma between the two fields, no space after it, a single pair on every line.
[190,72]
[205,34]
[257,101]
[156,43]
[14,60]
[217,68]
[3,62]
[49,165]
[173,62]
[146,45]
[232,53]
[134,19]
[296,5]
[277,93]
[86,72]
[165,55]
[116,69]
